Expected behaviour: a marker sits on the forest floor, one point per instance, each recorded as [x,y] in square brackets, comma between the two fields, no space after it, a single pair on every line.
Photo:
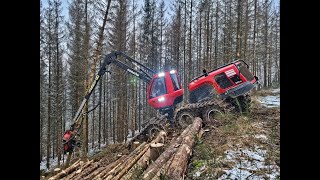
[244,147]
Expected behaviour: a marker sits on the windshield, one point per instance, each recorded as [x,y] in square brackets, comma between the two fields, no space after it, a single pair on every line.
[245,71]
[158,87]
[223,81]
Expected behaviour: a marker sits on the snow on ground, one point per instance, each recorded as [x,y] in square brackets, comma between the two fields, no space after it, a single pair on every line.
[270,101]
[198,172]
[261,136]
[53,162]
[247,162]
[275,90]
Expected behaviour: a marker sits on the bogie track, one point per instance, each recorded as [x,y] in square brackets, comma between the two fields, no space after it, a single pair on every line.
[208,109]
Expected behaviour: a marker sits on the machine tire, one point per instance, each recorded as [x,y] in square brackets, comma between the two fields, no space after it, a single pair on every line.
[184,119]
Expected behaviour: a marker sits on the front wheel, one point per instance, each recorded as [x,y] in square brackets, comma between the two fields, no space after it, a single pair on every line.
[185,119]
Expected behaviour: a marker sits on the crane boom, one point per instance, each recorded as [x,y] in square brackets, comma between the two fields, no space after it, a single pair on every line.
[140,70]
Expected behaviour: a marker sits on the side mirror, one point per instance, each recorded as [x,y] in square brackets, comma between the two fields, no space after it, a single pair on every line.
[205,72]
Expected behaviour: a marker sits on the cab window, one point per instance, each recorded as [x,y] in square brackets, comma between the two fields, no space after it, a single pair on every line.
[175,82]
[158,87]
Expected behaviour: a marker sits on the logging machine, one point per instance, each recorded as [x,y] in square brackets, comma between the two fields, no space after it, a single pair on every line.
[164,92]
[230,83]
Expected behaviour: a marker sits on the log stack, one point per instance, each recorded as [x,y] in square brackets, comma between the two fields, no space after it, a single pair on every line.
[146,161]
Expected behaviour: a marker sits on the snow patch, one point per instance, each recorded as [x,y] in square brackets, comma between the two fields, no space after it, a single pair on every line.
[275,90]
[53,163]
[129,137]
[270,101]
[261,136]
[198,172]
[247,162]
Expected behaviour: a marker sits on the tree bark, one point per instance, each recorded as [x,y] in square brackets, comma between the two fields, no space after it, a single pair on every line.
[67,171]
[155,150]
[179,163]
[109,167]
[121,164]
[144,161]
[75,174]
[135,144]
[131,163]
[184,138]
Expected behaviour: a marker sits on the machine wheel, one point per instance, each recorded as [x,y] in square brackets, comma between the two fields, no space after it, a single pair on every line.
[241,103]
[210,115]
[153,131]
[184,119]
[245,102]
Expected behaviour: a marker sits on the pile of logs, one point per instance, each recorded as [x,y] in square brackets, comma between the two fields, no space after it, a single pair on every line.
[147,160]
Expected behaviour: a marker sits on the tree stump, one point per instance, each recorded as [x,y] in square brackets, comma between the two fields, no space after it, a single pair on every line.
[155,150]
[135,145]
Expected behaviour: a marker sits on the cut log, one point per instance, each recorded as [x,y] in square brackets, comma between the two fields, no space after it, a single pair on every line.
[125,161]
[66,171]
[162,159]
[135,145]
[131,163]
[56,170]
[86,169]
[107,169]
[144,161]
[179,163]
[190,131]
[155,150]
[72,175]
[163,170]
[94,173]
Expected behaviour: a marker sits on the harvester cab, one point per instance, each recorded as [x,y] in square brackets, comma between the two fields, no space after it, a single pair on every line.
[165,92]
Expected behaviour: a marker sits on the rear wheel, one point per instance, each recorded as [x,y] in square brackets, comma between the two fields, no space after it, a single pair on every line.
[241,103]
[245,102]
[211,116]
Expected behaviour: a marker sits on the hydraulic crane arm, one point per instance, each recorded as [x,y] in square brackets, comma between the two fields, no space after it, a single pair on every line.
[112,58]
[140,71]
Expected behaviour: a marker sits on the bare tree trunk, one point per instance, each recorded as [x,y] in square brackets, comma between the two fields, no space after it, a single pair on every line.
[206,66]
[49,94]
[270,60]
[225,32]
[97,55]
[105,123]
[246,30]
[100,104]
[265,82]
[254,39]
[216,38]
[200,32]
[239,10]
[184,52]
[190,42]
